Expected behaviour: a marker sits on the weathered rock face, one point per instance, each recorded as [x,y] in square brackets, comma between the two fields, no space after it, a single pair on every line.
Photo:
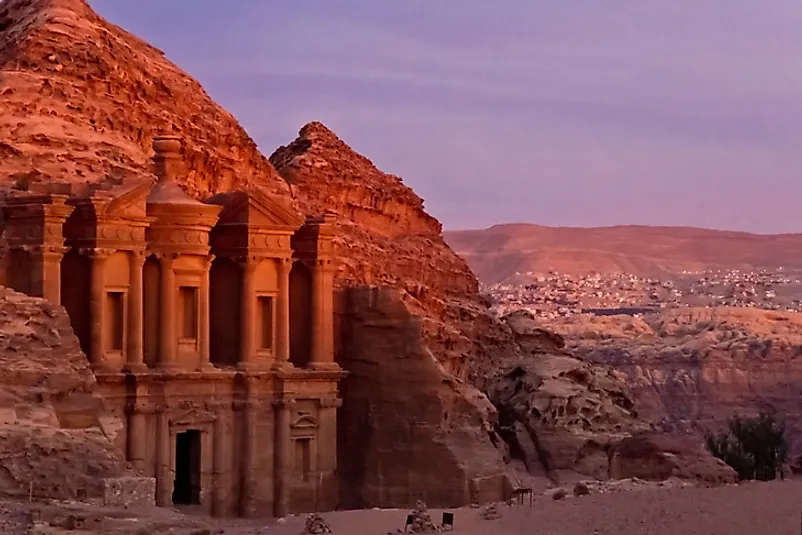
[660,457]
[558,412]
[410,430]
[691,369]
[81,99]
[387,239]
[55,438]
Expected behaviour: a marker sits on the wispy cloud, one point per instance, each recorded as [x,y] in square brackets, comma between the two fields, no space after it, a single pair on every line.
[569,112]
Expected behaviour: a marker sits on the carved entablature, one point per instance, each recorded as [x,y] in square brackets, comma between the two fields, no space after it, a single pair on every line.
[35,219]
[181,227]
[313,241]
[195,417]
[110,219]
[253,224]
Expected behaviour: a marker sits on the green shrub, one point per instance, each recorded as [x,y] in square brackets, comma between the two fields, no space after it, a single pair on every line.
[755,448]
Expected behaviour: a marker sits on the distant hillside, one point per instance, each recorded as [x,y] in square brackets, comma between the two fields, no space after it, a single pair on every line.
[500,251]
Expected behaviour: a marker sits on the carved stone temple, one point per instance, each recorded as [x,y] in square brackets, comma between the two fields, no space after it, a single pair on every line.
[209,326]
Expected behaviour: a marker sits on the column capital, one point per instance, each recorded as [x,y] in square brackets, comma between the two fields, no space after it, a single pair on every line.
[286,403]
[139,254]
[50,250]
[246,404]
[162,256]
[248,262]
[217,406]
[322,264]
[96,253]
[330,403]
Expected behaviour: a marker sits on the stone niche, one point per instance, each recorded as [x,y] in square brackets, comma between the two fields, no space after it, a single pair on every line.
[208,326]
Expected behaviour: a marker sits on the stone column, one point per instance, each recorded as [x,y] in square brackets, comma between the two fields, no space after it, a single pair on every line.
[203,306]
[283,450]
[134,355]
[326,493]
[46,273]
[248,452]
[167,294]
[221,468]
[137,438]
[164,482]
[322,351]
[283,314]
[247,314]
[97,309]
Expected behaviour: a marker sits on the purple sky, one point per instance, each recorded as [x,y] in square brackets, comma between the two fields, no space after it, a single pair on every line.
[570,112]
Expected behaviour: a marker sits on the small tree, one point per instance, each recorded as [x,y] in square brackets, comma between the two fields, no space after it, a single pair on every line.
[755,448]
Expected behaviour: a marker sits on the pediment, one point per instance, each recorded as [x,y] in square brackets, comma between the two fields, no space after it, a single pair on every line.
[304,421]
[130,203]
[192,417]
[256,209]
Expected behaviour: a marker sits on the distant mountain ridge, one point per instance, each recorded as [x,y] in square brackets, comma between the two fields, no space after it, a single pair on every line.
[498,252]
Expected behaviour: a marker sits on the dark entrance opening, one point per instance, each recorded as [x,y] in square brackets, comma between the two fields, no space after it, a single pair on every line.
[187,484]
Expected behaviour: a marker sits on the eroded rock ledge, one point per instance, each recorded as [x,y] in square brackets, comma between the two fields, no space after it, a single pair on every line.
[56,440]
[559,412]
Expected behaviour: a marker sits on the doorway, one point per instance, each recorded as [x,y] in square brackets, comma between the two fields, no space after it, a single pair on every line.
[187,484]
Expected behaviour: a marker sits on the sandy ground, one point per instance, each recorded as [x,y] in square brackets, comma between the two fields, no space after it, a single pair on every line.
[749,509]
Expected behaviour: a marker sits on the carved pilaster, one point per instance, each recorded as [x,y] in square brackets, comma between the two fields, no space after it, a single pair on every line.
[204,331]
[283,446]
[134,352]
[163,483]
[322,324]
[46,271]
[247,313]
[221,465]
[284,266]
[97,292]
[250,409]
[137,439]
[168,341]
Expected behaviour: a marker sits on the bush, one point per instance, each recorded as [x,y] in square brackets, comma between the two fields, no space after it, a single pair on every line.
[755,448]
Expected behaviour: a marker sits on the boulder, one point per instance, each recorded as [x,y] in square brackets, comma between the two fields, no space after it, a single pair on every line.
[658,457]
[56,439]
[559,412]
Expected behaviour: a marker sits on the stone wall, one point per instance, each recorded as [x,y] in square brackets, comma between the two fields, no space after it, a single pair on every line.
[410,430]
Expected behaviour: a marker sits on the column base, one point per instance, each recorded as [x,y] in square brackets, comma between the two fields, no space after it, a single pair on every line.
[254,366]
[135,367]
[168,366]
[101,367]
[207,367]
[283,365]
[325,366]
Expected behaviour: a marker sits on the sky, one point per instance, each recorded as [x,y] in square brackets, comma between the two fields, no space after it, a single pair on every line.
[563,113]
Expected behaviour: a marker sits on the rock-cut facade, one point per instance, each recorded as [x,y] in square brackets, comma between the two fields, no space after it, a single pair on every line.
[209,327]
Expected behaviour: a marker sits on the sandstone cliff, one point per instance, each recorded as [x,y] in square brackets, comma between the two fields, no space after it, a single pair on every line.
[81,99]
[412,353]
[56,441]
[691,369]
[388,239]
[560,412]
